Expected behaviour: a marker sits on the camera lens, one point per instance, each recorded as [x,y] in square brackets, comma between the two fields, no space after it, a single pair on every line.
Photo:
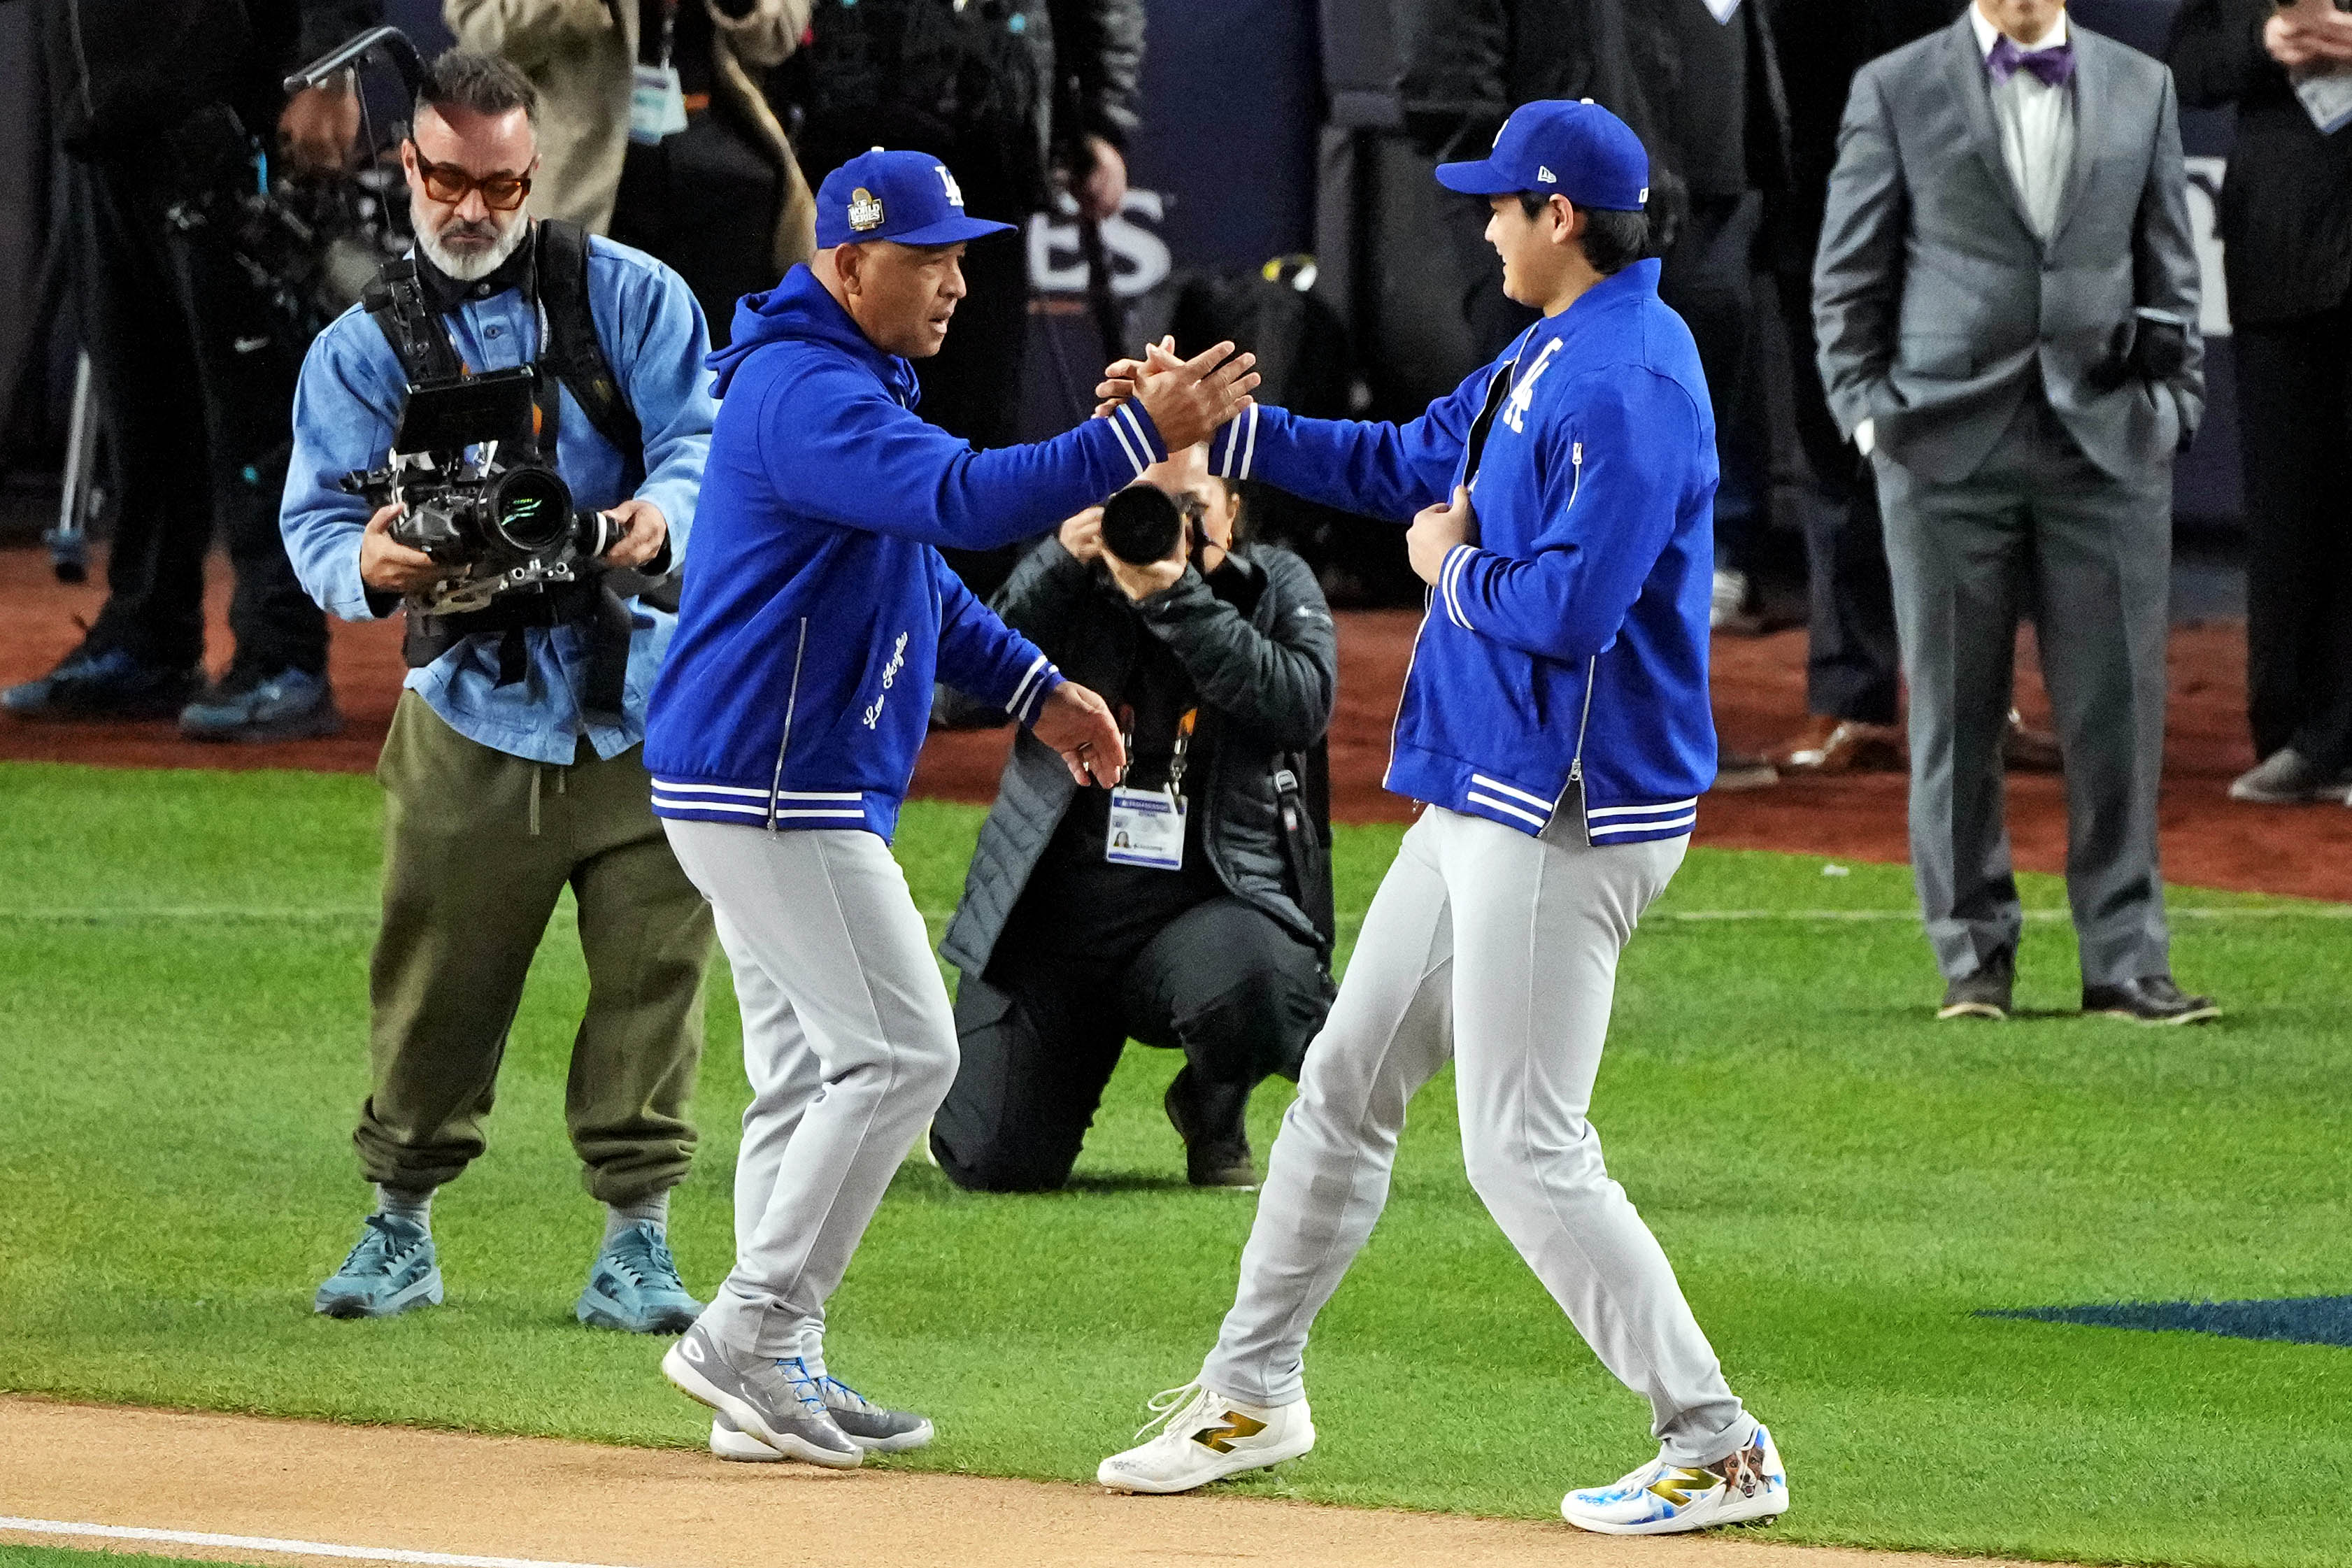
[1141,525]
[533,508]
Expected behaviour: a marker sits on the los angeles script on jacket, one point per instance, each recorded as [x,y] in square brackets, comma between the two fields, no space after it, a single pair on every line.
[873,714]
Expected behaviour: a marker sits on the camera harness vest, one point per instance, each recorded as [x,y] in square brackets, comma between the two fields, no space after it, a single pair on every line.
[570,358]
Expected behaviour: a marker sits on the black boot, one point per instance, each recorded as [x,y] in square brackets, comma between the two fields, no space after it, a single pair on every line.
[1212,1119]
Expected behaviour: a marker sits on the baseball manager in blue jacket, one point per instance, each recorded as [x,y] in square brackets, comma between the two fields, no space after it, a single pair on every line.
[1555,723]
[816,613]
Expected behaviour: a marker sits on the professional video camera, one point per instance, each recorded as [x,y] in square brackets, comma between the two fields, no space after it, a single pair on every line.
[478,497]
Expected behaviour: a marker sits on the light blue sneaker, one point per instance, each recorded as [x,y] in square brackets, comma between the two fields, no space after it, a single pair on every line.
[291,705]
[635,1287]
[392,1270]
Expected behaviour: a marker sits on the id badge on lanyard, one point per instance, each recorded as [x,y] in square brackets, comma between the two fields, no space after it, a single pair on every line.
[1147,826]
[657,101]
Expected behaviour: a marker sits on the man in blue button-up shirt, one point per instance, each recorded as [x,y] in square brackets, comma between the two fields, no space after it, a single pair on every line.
[505,780]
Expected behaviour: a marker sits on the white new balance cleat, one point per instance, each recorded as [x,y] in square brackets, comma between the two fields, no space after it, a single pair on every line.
[1662,1498]
[1204,1437]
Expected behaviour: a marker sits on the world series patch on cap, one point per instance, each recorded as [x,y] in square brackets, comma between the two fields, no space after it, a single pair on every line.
[908,197]
[1570,147]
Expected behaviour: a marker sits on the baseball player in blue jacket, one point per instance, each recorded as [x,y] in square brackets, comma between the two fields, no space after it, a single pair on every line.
[816,614]
[1555,721]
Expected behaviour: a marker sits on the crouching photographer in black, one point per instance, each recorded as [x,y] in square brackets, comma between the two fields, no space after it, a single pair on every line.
[1190,907]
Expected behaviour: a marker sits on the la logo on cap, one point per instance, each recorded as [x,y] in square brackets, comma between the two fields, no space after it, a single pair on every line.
[865,210]
[955,192]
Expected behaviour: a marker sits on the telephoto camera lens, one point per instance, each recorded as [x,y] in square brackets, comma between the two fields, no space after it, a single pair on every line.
[533,508]
[1141,525]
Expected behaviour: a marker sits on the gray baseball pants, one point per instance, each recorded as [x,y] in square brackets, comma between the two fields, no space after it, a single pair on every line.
[1500,951]
[2039,525]
[849,1043]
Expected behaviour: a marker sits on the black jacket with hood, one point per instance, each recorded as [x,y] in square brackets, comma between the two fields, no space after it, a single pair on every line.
[1266,670]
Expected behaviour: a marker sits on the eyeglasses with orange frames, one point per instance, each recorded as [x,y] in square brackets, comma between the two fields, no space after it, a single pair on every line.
[447,184]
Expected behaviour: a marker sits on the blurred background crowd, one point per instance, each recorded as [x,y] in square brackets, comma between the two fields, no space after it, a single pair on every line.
[175,228]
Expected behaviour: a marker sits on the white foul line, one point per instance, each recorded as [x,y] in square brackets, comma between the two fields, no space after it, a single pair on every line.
[269,1543]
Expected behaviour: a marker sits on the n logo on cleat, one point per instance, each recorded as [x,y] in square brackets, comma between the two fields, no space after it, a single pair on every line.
[1220,1439]
[1678,1487]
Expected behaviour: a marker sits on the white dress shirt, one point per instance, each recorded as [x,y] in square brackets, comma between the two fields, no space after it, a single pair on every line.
[2037,126]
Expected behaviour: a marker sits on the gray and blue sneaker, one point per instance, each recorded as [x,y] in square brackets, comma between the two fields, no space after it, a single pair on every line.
[770,1402]
[392,1270]
[867,1424]
[862,1422]
[634,1288]
[290,705]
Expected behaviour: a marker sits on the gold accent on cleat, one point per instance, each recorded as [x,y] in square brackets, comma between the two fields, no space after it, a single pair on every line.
[1220,1438]
[1678,1487]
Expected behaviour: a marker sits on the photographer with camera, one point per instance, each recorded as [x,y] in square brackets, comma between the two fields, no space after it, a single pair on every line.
[513,368]
[1191,907]
[159,110]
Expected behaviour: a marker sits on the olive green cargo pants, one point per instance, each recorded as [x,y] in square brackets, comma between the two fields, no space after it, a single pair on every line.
[478,844]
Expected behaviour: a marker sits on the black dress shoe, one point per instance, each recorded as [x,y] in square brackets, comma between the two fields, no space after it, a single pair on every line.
[1983,994]
[2153,999]
[1210,1119]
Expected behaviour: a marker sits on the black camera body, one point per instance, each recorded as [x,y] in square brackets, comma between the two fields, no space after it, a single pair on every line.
[477,498]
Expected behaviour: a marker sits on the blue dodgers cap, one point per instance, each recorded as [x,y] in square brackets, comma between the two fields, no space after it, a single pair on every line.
[1559,146]
[907,196]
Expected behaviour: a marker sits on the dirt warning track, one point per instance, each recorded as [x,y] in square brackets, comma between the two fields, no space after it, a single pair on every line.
[394,1494]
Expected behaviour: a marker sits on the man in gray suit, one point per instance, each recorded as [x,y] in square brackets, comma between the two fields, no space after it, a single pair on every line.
[2005,301]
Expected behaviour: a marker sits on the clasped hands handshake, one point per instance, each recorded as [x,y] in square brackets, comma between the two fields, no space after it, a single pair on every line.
[1189,401]
[1200,394]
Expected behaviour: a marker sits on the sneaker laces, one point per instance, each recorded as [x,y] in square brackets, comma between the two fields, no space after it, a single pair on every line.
[1167,1405]
[642,1256]
[378,1248]
[855,1400]
[806,1389]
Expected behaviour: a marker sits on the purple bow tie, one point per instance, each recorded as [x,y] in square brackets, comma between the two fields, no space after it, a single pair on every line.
[2055,66]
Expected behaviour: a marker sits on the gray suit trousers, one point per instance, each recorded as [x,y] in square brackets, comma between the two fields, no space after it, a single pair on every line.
[2038,526]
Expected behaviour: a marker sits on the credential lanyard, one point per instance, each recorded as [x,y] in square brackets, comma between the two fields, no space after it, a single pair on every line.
[656,102]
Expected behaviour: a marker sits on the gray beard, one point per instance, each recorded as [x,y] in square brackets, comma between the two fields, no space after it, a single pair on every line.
[468,266]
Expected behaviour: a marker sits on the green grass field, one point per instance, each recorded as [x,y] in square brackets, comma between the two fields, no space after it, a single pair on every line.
[1841,1183]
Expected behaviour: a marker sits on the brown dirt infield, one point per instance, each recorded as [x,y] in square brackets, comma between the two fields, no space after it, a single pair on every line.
[403,1490]
[2207,839]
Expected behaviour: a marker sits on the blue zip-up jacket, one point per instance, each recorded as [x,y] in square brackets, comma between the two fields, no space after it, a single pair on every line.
[816,610]
[1564,654]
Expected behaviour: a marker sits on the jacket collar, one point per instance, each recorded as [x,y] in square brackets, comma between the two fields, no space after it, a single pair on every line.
[799,309]
[1637,281]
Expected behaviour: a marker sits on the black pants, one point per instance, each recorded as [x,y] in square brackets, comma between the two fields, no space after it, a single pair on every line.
[1708,279]
[704,201]
[1853,664]
[2295,420]
[1224,982]
[197,391]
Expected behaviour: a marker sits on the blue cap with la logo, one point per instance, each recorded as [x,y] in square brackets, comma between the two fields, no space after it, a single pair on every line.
[1563,147]
[910,197]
